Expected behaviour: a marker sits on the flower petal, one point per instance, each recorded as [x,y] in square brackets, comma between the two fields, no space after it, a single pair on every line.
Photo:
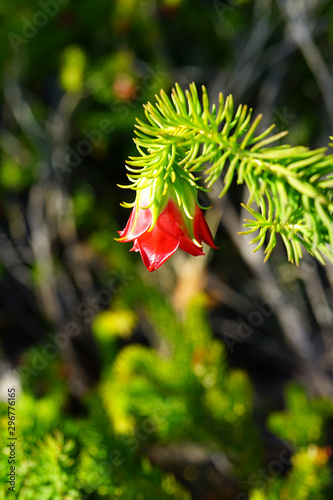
[188,246]
[159,244]
[157,241]
[201,229]
[135,247]
[137,224]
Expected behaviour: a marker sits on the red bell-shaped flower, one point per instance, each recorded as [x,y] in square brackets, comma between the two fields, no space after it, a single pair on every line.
[158,228]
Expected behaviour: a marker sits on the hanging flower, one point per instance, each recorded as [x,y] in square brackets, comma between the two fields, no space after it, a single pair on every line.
[162,222]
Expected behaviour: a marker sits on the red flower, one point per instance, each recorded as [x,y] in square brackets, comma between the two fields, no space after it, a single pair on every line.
[173,229]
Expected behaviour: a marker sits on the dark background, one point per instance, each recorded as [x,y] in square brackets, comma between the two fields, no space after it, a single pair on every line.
[75,75]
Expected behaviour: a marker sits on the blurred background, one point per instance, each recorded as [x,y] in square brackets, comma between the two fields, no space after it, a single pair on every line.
[211,378]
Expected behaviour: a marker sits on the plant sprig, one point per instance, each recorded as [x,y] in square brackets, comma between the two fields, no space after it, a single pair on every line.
[292,186]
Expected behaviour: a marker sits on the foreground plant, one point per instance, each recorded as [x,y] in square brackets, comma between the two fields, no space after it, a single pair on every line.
[292,186]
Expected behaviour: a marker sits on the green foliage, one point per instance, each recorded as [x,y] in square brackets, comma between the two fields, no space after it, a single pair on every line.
[49,470]
[72,69]
[309,478]
[303,421]
[302,424]
[185,392]
[13,177]
[185,133]
[59,457]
